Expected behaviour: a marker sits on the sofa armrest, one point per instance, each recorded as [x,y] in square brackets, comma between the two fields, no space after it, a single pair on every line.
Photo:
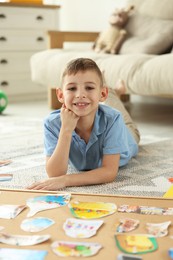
[57,38]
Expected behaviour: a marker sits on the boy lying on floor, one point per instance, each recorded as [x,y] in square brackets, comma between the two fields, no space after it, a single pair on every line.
[95,138]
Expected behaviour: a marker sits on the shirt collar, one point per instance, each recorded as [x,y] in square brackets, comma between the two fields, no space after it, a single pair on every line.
[99,123]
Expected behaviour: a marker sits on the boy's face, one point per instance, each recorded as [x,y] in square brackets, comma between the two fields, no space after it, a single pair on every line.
[82,92]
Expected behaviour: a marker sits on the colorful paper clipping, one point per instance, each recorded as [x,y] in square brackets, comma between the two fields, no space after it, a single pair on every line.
[91,210]
[10,211]
[20,240]
[22,254]
[136,243]
[78,228]
[46,202]
[63,248]
[36,224]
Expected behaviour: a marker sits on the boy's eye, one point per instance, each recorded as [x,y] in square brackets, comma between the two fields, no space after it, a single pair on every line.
[89,87]
[72,88]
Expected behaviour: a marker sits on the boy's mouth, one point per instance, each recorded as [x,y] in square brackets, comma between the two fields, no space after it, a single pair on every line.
[81,104]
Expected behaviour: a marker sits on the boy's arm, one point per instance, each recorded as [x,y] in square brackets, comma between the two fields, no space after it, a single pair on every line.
[106,173]
[57,164]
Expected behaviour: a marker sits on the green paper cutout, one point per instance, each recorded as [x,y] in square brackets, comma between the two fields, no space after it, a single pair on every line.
[152,240]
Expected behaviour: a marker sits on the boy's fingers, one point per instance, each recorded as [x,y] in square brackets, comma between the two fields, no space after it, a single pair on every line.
[32,186]
[37,185]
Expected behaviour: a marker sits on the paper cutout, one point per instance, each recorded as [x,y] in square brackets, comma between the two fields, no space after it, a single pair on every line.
[1,228]
[19,240]
[36,224]
[146,210]
[127,225]
[22,254]
[63,248]
[169,193]
[78,228]
[6,177]
[170,251]
[91,210]
[170,179]
[128,257]
[46,202]
[5,162]
[10,211]
[136,244]
[158,229]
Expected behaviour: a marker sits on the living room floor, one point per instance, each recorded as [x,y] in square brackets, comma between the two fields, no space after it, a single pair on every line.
[154,119]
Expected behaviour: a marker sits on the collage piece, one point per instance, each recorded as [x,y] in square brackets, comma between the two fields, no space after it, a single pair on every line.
[136,243]
[146,210]
[1,228]
[20,240]
[46,202]
[128,257]
[170,252]
[158,229]
[10,211]
[22,254]
[78,228]
[64,248]
[127,225]
[170,179]
[91,210]
[5,162]
[36,224]
[169,193]
[6,177]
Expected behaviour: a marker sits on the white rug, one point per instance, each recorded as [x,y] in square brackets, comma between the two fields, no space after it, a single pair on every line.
[21,140]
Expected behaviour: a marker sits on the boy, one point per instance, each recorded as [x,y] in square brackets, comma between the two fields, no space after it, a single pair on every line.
[91,136]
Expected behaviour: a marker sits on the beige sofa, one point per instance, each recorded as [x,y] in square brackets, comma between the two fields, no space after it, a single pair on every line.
[145,60]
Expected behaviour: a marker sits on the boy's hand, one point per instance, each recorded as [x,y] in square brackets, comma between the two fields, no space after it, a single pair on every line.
[54,183]
[68,119]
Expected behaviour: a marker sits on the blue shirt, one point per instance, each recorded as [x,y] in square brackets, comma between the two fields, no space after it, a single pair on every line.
[109,135]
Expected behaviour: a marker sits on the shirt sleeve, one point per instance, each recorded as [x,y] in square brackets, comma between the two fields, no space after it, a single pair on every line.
[51,134]
[119,140]
[116,140]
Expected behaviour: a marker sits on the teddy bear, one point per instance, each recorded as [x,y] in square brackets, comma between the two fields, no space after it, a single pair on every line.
[110,40]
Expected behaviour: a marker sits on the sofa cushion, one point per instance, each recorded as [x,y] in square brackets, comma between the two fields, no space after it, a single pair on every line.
[162,9]
[147,35]
[154,77]
[143,74]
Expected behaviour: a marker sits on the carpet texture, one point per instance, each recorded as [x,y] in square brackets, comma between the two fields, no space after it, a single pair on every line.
[21,140]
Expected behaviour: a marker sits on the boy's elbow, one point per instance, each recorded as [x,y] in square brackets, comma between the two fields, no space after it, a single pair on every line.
[112,175]
[53,172]
[112,178]
[50,172]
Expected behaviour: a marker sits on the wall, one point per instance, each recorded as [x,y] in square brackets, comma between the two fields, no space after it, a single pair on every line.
[86,15]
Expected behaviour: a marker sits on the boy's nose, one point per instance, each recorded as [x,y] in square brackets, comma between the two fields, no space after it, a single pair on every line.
[80,94]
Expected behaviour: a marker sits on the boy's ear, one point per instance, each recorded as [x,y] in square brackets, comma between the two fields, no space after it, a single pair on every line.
[59,95]
[104,93]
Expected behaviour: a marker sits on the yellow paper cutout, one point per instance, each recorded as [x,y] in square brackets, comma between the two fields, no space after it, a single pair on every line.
[169,193]
[90,210]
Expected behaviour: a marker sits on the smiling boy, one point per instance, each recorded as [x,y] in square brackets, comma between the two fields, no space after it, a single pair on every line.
[91,136]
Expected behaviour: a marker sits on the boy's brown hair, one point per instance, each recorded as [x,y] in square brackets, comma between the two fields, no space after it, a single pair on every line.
[83,64]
